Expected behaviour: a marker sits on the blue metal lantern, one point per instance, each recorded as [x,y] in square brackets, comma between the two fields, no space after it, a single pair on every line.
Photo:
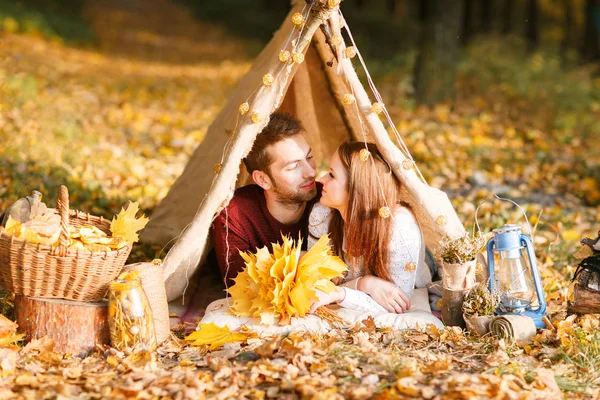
[514,274]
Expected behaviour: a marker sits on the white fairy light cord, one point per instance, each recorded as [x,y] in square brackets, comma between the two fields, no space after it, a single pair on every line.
[379,184]
[501,199]
[364,135]
[399,139]
[259,86]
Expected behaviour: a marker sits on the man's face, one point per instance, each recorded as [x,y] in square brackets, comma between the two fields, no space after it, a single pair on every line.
[292,170]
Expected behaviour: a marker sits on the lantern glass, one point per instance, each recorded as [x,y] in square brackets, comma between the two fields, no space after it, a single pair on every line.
[514,280]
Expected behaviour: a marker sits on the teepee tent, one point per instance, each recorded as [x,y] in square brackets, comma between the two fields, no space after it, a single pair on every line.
[306,70]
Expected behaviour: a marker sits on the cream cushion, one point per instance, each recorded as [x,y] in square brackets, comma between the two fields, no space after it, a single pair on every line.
[419,316]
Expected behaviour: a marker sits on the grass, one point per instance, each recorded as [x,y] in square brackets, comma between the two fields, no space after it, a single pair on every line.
[60,20]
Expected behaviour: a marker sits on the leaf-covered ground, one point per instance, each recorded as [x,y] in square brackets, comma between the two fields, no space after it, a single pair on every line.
[119,119]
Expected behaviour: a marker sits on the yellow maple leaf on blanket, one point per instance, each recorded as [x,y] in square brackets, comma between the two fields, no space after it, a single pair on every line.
[282,284]
[216,336]
[126,225]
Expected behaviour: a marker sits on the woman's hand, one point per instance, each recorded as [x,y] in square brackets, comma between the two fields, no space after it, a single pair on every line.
[387,294]
[327,298]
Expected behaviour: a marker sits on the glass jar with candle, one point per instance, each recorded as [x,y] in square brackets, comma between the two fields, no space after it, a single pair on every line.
[129,316]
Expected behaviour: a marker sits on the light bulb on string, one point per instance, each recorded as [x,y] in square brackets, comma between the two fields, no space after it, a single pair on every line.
[350,52]
[284,56]
[268,79]
[377,108]
[244,108]
[364,154]
[337,40]
[297,19]
[298,58]
[384,212]
[256,118]
[349,99]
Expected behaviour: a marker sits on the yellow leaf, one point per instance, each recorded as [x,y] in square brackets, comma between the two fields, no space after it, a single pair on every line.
[126,225]
[12,226]
[583,252]
[571,235]
[216,336]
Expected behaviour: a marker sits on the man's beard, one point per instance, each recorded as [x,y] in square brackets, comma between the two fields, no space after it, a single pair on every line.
[291,197]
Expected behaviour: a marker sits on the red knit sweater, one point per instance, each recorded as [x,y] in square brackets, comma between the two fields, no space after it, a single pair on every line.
[251,226]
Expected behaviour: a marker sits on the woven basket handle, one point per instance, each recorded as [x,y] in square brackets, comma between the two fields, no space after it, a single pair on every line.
[63,211]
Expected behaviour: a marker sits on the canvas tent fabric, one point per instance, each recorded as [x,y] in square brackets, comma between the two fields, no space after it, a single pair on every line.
[312,91]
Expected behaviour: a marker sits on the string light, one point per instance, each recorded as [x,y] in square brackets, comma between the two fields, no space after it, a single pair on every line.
[410,266]
[244,108]
[441,220]
[217,168]
[384,212]
[350,52]
[284,56]
[334,3]
[268,79]
[297,19]
[407,164]
[298,58]
[349,99]
[337,40]
[256,118]
[364,154]
[377,108]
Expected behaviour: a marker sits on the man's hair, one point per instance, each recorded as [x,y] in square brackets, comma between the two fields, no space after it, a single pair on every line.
[280,126]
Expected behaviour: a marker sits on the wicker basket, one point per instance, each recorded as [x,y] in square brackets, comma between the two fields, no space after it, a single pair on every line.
[56,272]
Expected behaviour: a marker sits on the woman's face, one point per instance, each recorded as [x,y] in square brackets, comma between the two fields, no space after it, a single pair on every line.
[335,185]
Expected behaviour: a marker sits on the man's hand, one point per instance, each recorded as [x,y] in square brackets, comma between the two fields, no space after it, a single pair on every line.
[386,294]
[327,298]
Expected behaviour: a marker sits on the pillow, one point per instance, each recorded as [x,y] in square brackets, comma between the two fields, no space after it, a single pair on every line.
[419,315]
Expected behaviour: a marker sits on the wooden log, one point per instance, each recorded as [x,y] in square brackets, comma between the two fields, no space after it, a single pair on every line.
[452,301]
[75,327]
[584,301]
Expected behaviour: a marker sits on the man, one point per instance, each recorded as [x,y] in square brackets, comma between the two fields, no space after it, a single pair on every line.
[283,169]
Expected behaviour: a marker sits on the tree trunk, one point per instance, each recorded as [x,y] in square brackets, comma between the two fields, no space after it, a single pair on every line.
[435,69]
[75,327]
[507,14]
[591,41]
[531,28]
[467,22]
[567,27]
[485,17]
[422,10]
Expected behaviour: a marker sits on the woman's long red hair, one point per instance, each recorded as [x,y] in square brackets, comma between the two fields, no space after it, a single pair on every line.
[371,185]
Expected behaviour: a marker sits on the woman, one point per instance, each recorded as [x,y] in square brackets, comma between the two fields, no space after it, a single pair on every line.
[372,230]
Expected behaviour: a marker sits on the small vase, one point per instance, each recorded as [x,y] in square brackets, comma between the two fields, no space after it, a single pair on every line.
[459,276]
[457,279]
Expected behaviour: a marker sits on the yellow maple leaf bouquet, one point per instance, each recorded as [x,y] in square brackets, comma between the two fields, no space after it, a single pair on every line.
[283,284]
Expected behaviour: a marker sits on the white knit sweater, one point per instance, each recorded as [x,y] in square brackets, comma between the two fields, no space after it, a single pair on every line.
[406,245]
